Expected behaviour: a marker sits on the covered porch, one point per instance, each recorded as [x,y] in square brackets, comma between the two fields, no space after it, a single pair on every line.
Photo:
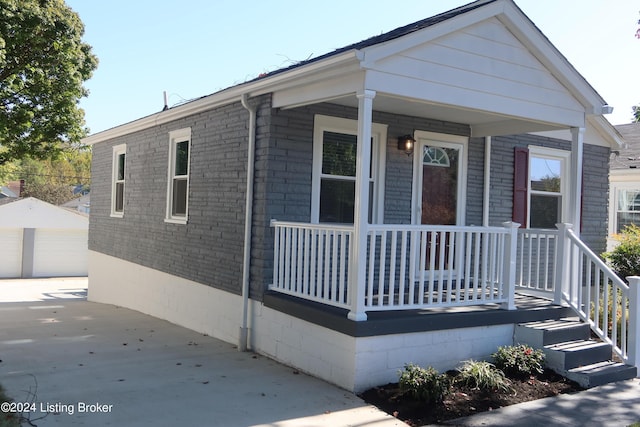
[489,70]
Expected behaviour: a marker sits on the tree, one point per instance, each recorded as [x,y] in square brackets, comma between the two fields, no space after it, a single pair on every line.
[636,112]
[43,65]
[51,180]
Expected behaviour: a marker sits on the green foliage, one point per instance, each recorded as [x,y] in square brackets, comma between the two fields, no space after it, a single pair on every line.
[636,112]
[482,376]
[424,384]
[519,360]
[51,180]
[606,302]
[43,65]
[624,259]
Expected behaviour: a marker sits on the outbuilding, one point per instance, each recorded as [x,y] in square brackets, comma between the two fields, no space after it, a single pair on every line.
[41,240]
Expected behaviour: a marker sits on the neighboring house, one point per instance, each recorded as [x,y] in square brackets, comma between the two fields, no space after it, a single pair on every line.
[257,214]
[80,204]
[624,178]
[6,192]
[41,240]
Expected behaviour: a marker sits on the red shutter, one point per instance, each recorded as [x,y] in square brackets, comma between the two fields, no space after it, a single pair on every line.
[520,182]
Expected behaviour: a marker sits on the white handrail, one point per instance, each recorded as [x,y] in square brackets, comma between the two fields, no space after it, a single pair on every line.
[598,296]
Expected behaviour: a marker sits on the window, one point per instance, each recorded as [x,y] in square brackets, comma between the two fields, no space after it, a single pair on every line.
[178,181]
[118,179]
[627,208]
[334,170]
[541,186]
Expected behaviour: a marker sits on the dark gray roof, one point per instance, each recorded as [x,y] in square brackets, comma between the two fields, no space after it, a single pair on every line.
[391,35]
[629,158]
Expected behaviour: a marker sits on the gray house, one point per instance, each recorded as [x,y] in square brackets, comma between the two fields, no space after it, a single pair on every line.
[393,201]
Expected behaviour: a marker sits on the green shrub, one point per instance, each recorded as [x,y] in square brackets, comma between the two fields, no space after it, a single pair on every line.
[519,360]
[482,376]
[624,259]
[424,384]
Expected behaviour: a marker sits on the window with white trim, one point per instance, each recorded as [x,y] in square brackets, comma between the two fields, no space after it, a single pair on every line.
[178,176]
[548,186]
[334,170]
[627,207]
[118,180]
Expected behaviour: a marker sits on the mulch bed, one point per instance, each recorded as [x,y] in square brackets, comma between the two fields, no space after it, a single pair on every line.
[462,402]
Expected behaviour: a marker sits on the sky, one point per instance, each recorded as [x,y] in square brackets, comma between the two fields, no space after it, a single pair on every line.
[192,48]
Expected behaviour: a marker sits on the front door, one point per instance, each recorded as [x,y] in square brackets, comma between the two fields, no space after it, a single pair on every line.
[439,198]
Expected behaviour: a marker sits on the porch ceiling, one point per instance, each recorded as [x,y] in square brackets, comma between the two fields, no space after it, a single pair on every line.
[482,123]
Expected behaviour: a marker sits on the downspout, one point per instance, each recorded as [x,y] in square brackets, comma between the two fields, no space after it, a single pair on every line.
[487,181]
[243,342]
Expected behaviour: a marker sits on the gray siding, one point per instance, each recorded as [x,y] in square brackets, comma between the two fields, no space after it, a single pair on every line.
[284,161]
[594,192]
[209,248]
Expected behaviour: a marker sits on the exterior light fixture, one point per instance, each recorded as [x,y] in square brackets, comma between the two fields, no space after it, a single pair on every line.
[406,143]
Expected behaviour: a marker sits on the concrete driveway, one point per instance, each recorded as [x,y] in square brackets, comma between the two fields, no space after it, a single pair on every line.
[80,363]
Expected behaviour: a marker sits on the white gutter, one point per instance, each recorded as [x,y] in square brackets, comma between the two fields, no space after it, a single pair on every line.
[487,181]
[243,342]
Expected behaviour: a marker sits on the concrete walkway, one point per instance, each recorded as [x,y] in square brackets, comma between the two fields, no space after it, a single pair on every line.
[89,364]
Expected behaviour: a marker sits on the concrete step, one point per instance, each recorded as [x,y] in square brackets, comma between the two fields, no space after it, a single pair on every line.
[541,333]
[567,355]
[601,373]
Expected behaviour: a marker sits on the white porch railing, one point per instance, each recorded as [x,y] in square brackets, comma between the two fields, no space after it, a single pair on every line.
[536,261]
[311,261]
[408,266]
[416,266]
[598,296]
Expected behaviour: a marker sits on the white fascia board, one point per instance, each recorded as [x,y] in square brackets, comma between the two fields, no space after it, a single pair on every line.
[378,52]
[226,96]
[515,20]
[606,131]
[598,131]
[322,90]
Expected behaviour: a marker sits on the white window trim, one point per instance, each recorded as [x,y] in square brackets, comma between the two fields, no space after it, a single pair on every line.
[439,140]
[117,151]
[614,197]
[378,158]
[179,135]
[564,157]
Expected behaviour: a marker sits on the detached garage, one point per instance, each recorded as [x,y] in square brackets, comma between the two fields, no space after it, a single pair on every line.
[41,240]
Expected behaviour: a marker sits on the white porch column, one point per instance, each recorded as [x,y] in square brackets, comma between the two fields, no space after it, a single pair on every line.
[577,148]
[633,344]
[358,257]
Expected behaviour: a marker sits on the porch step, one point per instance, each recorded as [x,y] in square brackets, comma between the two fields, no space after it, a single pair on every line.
[570,352]
[601,373]
[546,332]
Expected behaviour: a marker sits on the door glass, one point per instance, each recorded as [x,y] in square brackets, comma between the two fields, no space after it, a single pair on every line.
[440,174]
[439,185]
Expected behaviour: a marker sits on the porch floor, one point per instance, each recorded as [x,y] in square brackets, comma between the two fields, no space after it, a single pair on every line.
[529,308]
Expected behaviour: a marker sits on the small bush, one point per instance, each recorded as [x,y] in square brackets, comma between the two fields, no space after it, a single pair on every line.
[424,384]
[482,376]
[624,259]
[519,360]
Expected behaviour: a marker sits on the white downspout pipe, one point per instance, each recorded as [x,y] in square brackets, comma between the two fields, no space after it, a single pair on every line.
[243,342]
[487,181]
